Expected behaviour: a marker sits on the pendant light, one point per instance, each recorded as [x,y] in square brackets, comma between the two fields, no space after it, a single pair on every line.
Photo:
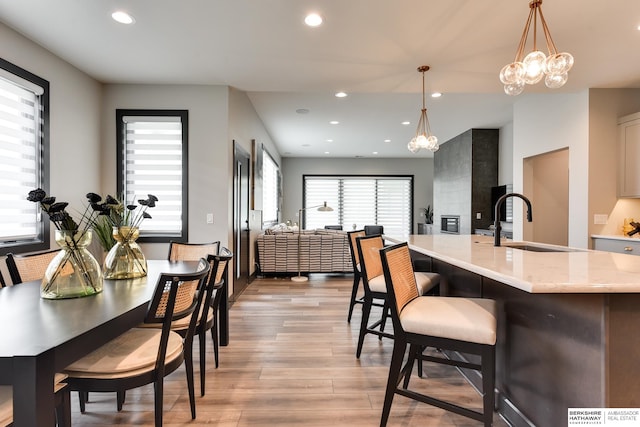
[532,68]
[424,138]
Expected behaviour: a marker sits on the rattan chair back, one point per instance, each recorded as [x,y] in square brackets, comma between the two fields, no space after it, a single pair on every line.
[403,280]
[369,252]
[25,268]
[192,251]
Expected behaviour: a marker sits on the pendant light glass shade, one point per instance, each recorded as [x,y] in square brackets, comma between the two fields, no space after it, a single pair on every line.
[536,65]
[424,139]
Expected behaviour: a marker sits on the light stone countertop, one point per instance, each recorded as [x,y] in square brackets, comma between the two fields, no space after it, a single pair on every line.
[576,271]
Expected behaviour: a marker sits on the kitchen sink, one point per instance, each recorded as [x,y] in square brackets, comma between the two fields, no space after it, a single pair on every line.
[533,247]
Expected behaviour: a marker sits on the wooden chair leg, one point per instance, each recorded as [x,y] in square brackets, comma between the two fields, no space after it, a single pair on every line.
[82,400]
[488,384]
[411,359]
[188,365]
[158,388]
[354,294]
[385,314]
[366,310]
[214,336]
[120,397]
[202,341]
[399,348]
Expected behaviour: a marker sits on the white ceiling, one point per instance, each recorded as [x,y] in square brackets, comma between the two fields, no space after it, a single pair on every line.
[368,48]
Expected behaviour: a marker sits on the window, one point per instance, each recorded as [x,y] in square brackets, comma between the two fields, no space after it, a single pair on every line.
[358,201]
[270,189]
[152,159]
[24,158]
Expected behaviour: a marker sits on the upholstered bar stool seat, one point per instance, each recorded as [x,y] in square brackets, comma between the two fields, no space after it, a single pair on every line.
[464,319]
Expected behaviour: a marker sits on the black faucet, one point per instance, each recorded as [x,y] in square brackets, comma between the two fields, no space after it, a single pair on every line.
[496,225]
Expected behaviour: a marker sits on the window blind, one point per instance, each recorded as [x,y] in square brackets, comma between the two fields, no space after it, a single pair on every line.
[359,201]
[20,161]
[270,192]
[154,165]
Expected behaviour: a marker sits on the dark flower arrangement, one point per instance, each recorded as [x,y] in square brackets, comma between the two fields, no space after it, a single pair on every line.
[74,231]
[114,213]
[57,212]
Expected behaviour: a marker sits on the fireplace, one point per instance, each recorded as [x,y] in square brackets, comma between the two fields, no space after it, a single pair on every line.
[450,224]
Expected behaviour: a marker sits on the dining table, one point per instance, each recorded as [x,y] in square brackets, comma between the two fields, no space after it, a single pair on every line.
[42,336]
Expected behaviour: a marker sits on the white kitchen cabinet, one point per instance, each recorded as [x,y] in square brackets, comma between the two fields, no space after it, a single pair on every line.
[622,245]
[629,156]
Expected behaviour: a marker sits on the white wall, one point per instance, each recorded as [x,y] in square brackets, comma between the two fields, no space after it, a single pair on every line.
[294,168]
[549,122]
[244,126]
[209,147]
[74,119]
[586,123]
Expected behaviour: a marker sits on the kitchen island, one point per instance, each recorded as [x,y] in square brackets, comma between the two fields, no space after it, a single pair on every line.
[568,324]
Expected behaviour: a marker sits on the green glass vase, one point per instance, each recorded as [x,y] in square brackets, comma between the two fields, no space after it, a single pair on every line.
[74,272]
[125,259]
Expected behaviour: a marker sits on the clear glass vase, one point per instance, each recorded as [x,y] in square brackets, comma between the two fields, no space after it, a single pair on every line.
[74,272]
[125,259]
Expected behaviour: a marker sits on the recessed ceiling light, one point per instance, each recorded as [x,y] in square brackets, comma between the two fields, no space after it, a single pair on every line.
[341,95]
[387,140]
[406,123]
[329,140]
[436,94]
[122,17]
[375,152]
[302,111]
[334,122]
[326,152]
[313,20]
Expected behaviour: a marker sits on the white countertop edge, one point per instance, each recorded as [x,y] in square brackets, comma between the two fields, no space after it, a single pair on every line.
[526,286]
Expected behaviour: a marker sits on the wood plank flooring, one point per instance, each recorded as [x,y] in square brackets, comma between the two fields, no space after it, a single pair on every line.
[291,362]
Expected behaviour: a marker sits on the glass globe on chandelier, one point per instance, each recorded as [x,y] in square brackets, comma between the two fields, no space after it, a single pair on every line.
[554,68]
[424,138]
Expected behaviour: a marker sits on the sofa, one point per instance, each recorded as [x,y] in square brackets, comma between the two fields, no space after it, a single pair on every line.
[321,251]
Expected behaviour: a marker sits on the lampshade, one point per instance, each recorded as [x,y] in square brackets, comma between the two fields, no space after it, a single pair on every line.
[424,138]
[535,66]
[325,208]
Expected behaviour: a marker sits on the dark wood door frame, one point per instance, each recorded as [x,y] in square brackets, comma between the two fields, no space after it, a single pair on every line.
[241,188]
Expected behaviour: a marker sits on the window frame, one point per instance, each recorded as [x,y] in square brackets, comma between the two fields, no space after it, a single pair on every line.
[121,170]
[42,241]
[410,178]
[278,188]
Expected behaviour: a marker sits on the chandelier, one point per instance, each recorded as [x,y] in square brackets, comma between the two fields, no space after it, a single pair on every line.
[424,138]
[536,65]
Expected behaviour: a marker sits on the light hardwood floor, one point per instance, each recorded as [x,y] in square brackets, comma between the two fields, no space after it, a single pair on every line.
[291,362]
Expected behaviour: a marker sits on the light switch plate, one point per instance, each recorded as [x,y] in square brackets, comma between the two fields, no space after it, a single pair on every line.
[209,218]
[600,218]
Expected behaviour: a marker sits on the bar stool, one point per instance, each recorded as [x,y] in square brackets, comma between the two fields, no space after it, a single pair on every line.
[467,325]
[375,289]
[355,260]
